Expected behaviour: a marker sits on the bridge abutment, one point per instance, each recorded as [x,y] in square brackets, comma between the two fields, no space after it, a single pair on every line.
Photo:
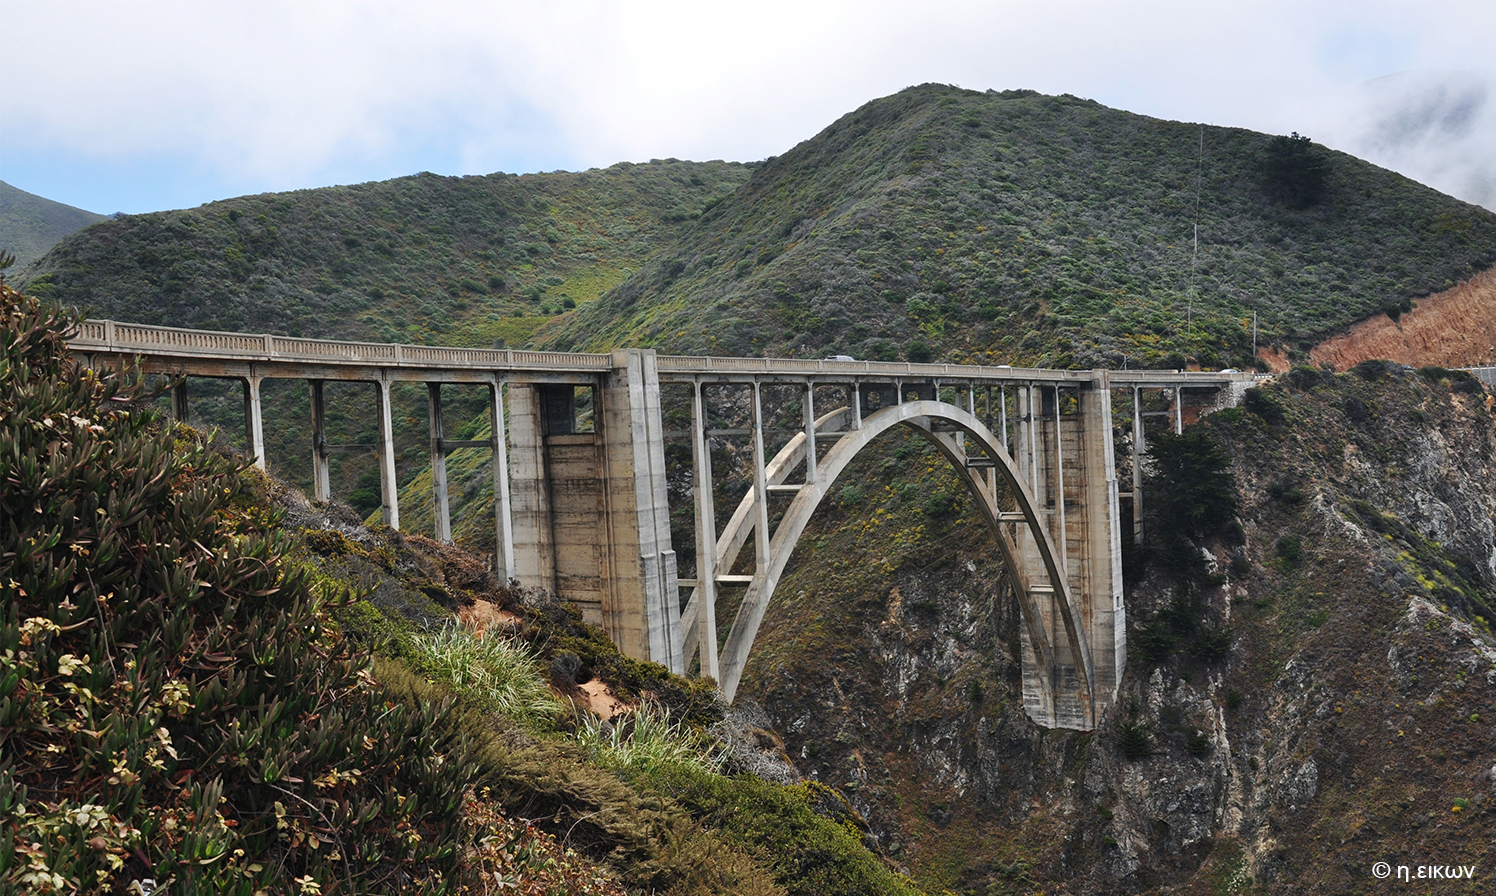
[590,517]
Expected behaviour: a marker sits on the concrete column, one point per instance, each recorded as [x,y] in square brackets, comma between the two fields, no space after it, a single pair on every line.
[530,496]
[706,538]
[388,487]
[856,405]
[321,480]
[1058,475]
[254,421]
[503,520]
[1031,417]
[810,432]
[1139,446]
[440,504]
[1101,577]
[179,401]
[760,487]
[1002,411]
[1178,410]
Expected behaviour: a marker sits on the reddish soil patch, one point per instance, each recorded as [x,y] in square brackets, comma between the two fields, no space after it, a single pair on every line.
[1454,328]
[1276,361]
[481,615]
[600,700]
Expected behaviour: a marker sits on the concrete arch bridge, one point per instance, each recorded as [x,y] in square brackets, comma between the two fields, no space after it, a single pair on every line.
[581,503]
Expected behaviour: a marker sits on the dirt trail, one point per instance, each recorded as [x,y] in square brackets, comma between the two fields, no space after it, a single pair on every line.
[1454,328]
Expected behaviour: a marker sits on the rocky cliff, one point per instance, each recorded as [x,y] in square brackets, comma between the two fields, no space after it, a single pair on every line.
[1310,690]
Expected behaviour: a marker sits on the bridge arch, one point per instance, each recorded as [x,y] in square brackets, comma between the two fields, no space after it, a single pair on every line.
[923,417]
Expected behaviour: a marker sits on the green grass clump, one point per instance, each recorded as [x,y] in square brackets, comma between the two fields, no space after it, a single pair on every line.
[646,740]
[497,674]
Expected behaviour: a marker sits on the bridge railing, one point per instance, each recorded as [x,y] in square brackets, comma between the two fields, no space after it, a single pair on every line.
[1486,375]
[126,338]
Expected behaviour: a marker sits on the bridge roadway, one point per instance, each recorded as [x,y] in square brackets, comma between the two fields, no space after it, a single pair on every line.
[581,505]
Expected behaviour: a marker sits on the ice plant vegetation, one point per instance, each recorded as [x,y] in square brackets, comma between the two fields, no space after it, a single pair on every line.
[174,705]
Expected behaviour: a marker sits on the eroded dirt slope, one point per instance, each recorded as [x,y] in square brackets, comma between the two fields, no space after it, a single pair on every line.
[1454,328]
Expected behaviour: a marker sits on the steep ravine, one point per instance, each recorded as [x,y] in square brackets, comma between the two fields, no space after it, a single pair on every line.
[1344,719]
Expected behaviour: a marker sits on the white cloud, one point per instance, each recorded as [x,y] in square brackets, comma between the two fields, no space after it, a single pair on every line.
[277,93]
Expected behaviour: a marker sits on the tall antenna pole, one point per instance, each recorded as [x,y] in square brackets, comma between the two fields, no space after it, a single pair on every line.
[1195,248]
[1254,337]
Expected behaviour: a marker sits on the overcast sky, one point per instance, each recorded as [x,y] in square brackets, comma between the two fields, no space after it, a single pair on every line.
[153,104]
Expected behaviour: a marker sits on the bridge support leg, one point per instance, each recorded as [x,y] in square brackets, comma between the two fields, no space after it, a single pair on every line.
[179,401]
[502,508]
[1139,446]
[1099,532]
[810,432]
[387,483]
[706,538]
[254,421]
[645,595]
[760,488]
[440,505]
[321,478]
[534,550]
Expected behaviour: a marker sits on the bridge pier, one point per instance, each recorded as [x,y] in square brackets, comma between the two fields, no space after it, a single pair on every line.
[179,401]
[254,420]
[1067,455]
[321,474]
[591,520]
[503,507]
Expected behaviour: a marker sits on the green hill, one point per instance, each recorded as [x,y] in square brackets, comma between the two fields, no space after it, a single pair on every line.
[475,261]
[453,260]
[30,225]
[1040,229]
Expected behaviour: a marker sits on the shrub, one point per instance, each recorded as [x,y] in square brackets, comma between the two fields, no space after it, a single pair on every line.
[1371,370]
[1286,489]
[1306,378]
[1134,740]
[919,352]
[174,702]
[941,505]
[1265,406]
[1290,548]
[1192,492]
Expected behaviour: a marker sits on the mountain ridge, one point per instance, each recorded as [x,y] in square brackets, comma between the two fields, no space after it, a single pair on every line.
[32,224]
[956,219]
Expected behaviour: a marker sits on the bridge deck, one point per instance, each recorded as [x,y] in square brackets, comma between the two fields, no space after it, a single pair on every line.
[224,353]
